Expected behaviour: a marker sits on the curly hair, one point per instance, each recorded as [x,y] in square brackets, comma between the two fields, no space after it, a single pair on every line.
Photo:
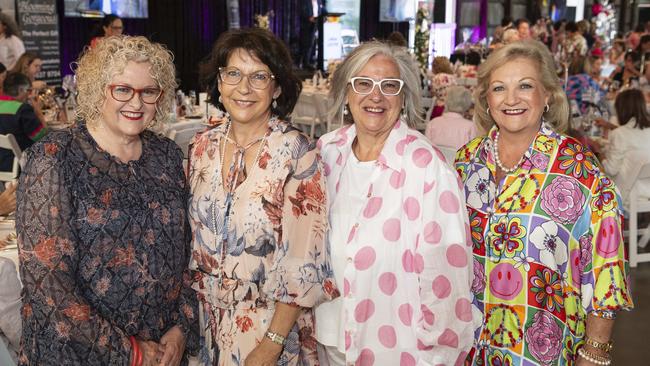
[441,64]
[97,66]
[268,49]
[538,53]
[356,60]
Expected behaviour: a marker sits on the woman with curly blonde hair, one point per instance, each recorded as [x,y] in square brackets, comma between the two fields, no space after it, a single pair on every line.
[102,224]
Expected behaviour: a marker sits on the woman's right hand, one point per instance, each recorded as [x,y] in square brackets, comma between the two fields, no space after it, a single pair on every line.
[150,354]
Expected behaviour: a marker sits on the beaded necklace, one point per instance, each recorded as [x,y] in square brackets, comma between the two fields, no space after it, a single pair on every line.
[237,167]
[495,151]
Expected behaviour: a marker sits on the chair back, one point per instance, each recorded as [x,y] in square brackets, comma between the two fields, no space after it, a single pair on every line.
[183,137]
[638,164]
[449,153]
[8,142]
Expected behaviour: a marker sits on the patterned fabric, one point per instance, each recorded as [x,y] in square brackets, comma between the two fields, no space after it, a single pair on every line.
[269,248]
[547,249]
[103,250]
[407,274]
[585,91]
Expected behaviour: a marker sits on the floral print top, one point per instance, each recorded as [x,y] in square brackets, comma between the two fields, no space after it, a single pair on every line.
[548,249]
[274,243]
[407,271]
[104,248]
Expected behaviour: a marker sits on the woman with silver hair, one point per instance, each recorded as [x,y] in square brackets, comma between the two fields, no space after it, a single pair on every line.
[391,194]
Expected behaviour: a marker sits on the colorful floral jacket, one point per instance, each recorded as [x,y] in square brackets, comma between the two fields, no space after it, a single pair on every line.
[548,249]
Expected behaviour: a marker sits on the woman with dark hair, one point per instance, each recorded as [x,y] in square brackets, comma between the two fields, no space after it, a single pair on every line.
[626,74]
[258,212]
[633,134]
[11,47]
[111,25]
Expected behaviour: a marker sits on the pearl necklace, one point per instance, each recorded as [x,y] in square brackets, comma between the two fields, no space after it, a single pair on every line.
[495,150]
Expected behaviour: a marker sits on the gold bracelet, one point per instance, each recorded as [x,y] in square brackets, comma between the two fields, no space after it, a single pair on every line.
[605,347]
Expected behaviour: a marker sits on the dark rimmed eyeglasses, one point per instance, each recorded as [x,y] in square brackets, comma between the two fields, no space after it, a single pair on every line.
[364,86]
[124,93]
[257,79]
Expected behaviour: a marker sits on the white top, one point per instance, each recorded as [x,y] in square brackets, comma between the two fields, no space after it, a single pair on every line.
[10,323]
[11,49]
[408,262]
[622,141]
[345,208]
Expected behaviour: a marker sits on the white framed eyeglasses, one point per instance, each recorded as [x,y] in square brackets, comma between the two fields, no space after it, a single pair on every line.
[364,86]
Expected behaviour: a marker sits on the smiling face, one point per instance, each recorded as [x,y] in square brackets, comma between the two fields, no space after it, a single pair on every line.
[505,281]
[245,104]
[375,114]
[128,119]
[516,97]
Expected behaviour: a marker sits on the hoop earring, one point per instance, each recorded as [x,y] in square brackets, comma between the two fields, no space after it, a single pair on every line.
[487,110]
[546,108]
[220,100]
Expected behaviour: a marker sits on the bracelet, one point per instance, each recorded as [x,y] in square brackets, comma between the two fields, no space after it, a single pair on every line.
[598,360]
[275,337]
[605,347]
[136,355]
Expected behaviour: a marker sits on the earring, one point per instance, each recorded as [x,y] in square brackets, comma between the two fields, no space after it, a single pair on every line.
[220,100]
[345,110]
[403,115]
[546,108]
[275,104]
[487,110]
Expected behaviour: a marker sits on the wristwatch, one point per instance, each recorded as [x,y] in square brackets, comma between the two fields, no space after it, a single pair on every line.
[275,338]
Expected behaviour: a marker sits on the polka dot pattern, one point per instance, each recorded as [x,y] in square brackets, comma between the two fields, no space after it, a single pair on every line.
[364,258]
[409,233]
[412,208]
[392,229]
[449,202]
[364,310]
[388,283]
[457,256]
[387,336]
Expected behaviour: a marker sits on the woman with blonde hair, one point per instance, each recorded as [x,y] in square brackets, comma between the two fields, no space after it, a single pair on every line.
[549,265]
[102,222]
[405,281]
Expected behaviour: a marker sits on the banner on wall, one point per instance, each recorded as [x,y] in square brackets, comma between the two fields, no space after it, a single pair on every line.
[232,7]
[40,29]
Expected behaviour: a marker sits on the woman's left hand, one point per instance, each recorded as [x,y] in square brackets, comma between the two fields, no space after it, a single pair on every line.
[265,354]
[172,346]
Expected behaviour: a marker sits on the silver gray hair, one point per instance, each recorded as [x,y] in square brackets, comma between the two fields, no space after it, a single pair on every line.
[408,72]
[459,99]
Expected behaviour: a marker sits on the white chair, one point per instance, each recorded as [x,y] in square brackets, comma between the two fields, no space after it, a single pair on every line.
[449,153]
[636,205]
[306,112]
[8,142]
[183,137]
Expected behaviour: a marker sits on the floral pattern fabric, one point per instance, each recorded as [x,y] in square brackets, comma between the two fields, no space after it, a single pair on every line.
[408,264]
[104,249]
[548,249]
[270,249]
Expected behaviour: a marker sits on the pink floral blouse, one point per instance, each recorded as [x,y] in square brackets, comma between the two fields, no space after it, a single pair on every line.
[408,272]
[274,245]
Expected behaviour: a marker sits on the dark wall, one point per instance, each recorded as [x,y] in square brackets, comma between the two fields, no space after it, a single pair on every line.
[190,27]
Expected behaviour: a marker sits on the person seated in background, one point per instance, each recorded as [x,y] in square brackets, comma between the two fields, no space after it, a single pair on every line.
[523,28]
[18,117]
[10,324]
[625,75]
[30,64]
[442,79]
[452,129]
[581,85]
[575,44]
[510,35]
[633,134]
[11,46]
